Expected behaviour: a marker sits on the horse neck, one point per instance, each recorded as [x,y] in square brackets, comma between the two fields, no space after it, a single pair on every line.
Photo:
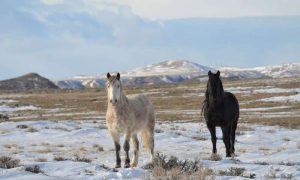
[209,98]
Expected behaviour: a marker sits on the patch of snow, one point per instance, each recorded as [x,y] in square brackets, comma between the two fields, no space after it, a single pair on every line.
[293,98]
[5,108]
[272,145]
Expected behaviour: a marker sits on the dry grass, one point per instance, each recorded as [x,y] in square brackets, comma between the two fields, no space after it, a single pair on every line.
[32,130]
[9,146]
[172,168]
[98,147]
[171,102]
[8,162]
[22,126]
[82,159]
[286,139]
[264,149]
[215,157]
[44,151]
[59,158]
[200,138]
[41,160]
[232,171]
[287,163]
[261,162]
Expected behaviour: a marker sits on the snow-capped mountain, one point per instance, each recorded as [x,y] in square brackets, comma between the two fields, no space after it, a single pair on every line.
[175,71]
[284,70]
[173,67]
[275,71]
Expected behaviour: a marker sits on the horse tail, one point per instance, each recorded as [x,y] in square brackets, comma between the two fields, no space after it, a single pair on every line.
[147,140]
[148,134]
[203,106]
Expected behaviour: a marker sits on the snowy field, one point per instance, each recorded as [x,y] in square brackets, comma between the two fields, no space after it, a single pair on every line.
[65,136]
[263,151]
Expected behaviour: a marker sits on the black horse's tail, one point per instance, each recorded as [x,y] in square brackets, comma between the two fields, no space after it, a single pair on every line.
[203,106]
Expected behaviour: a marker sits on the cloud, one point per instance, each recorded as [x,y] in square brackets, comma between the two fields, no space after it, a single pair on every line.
[178,9]
[66,37]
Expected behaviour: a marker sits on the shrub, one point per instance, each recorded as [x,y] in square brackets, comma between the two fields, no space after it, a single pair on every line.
[59,158]
[164,167]
[232,171]
[22,126]
[34,169]
[8,162]
[81,159]
[215,157]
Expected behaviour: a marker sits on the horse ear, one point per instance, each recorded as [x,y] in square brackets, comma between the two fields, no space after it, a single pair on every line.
[209,72]
[118,76]
[108,75]
[218,73]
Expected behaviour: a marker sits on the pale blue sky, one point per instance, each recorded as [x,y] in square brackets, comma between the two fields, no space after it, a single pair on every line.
[62,38]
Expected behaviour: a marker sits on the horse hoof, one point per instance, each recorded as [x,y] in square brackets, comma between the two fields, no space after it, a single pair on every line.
[133,165]
[126,166]
[117,166]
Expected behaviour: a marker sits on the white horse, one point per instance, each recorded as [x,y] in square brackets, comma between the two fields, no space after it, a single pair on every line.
[129,115]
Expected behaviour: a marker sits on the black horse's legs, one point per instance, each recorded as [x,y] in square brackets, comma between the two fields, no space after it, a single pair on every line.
[212,130]
[232,138]
[126,149]
[226,139]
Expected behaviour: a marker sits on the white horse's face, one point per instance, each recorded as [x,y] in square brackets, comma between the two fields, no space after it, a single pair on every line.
[113,87]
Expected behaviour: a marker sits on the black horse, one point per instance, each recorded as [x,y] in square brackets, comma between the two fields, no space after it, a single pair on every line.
[220,109]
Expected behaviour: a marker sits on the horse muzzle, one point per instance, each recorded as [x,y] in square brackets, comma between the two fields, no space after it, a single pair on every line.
[113,101]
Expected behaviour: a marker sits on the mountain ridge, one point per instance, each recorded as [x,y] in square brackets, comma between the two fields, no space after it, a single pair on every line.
[174,71]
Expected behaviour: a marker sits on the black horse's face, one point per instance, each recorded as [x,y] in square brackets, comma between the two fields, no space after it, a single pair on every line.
[214,84]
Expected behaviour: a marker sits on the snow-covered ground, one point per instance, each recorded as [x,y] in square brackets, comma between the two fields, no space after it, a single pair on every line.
[5,108]
[262,150]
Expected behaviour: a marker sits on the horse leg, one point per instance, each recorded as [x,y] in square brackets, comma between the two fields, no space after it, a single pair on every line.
[212,130]
[232,138]
[135,157]
[226,139]
[116,139]
[126,149]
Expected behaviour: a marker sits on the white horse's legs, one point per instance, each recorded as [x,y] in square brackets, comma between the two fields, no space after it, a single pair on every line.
[116,139]
[135,157]
[126,149]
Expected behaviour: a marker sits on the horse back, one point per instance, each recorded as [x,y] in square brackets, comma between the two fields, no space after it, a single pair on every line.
[140,104]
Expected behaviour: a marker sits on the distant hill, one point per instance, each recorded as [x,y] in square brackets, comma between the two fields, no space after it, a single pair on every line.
[175,71]
[31,81]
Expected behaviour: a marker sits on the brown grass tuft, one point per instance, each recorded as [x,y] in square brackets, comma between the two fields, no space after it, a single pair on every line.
[8,162]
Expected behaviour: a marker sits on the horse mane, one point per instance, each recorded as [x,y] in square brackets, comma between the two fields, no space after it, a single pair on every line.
[209,88]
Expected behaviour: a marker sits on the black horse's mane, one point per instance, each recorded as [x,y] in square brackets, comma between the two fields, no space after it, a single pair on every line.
[214,87]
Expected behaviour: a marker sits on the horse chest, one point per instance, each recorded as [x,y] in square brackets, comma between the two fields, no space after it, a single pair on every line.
[117,121]
[215,117]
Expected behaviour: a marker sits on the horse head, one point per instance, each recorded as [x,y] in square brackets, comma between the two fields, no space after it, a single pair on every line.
[214,91]
[113,87]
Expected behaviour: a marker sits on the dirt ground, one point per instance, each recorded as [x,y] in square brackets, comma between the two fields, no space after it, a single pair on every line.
[172,102]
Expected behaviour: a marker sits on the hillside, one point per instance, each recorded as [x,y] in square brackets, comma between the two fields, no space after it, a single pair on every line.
[31,81]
